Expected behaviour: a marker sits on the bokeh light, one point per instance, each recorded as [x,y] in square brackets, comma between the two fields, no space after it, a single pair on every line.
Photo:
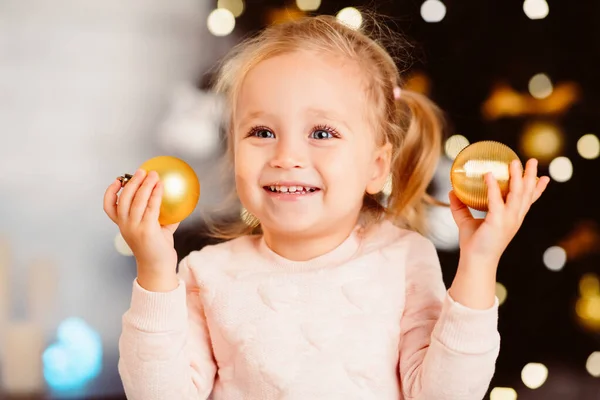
[351,17]
[542,140]
[587,307]
[503,393]
[433,11]
[454,144]
[540,86]
[221,22]
[501,293]
[308,5]
[555,258]
[536,9]
[534,375]
[561,169]
[588,146]
[592,364]
[122,246]
[236,7]
[75,359]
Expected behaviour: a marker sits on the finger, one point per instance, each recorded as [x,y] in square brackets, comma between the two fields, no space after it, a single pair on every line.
[129,191]
[152,211]
[514,200]
[530,178]
[140,200]
[542,184]
[110,200]
[495,201]
[460,212]
[529,185]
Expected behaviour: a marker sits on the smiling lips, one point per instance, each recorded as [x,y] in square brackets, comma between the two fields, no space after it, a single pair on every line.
[291,189]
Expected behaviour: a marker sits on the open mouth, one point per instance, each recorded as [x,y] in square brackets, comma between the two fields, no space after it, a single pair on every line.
[291,190]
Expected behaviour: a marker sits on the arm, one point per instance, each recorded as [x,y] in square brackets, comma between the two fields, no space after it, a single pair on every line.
[448,351]
[165,350]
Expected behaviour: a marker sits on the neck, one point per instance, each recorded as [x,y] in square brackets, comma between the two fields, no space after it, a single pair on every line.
[304,247]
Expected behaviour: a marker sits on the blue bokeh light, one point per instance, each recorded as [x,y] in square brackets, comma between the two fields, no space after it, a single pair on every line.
[75,359]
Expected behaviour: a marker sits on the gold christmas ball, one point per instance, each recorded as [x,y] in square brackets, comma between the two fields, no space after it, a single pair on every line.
[181,188]
[469,169]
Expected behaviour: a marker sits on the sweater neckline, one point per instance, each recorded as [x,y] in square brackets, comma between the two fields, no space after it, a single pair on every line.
[342,253]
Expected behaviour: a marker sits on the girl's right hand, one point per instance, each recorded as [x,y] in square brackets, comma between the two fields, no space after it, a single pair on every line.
[136,211]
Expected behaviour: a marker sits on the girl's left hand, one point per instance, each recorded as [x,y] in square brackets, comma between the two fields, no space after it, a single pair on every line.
[486,239]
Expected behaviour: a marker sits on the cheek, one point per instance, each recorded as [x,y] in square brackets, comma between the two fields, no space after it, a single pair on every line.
[347,168]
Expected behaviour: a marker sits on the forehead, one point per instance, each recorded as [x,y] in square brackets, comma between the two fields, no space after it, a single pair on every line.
[306,82]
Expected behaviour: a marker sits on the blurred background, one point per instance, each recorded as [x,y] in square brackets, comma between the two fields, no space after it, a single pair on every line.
[90,90]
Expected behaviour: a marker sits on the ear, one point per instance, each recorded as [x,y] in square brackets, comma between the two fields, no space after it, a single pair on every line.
[381,168]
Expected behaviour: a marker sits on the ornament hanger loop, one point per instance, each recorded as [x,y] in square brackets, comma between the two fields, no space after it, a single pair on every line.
[124,179]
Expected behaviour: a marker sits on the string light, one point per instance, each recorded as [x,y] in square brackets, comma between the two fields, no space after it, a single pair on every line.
[433,11]
[588,146]
[308,5]
[555,258]
[503,393]
[561,169]
[454,144]
[501,293]
[592,364]
[221,22]
[540,86]
[236,7]
[351,17]
[536,9]
[122,246]
[534,375]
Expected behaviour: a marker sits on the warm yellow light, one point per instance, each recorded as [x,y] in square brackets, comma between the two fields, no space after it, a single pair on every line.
[588,146]
[503,393]
[534,375]
[454,144]
[221,22]
[592,364]
[501,293]
[560,169]
[235,6]
[542,140]
[351,17]
[308,5]
[540,86]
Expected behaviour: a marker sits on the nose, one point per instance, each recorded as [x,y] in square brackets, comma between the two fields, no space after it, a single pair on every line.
[288,155]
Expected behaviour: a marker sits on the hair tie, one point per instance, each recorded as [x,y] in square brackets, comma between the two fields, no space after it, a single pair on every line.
[397,92]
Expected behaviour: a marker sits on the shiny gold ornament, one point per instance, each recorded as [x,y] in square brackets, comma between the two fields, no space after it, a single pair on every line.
[181,188]
[469,169]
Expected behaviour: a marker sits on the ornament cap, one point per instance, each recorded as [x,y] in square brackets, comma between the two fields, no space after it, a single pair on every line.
[124,179]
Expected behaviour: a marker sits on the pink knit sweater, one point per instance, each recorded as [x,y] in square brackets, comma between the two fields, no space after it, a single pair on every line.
[369,320]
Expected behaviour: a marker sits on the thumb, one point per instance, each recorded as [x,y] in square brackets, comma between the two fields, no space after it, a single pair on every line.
[460,212]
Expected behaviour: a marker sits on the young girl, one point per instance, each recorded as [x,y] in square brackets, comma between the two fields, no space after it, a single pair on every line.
[337,297]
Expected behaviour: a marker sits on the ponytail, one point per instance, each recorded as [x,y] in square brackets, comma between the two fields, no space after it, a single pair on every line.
[414,164]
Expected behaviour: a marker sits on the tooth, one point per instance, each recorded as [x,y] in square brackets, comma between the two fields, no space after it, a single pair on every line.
[283,189]
[292,189]
[272,188]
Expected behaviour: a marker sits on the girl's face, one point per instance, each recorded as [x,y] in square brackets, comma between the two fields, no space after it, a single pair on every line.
[305,151]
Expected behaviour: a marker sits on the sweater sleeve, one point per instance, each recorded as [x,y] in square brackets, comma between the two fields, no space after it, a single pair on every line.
[448,351]
[165,350]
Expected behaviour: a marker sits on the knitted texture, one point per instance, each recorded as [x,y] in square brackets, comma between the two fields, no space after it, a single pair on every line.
[369,320]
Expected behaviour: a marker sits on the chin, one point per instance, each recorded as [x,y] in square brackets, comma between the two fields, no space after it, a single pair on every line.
[297,227]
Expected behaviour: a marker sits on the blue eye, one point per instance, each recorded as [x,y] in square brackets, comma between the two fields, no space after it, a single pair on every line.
[321,134]
[261,132]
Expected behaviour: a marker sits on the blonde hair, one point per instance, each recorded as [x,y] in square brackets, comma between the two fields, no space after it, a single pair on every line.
[411,123]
